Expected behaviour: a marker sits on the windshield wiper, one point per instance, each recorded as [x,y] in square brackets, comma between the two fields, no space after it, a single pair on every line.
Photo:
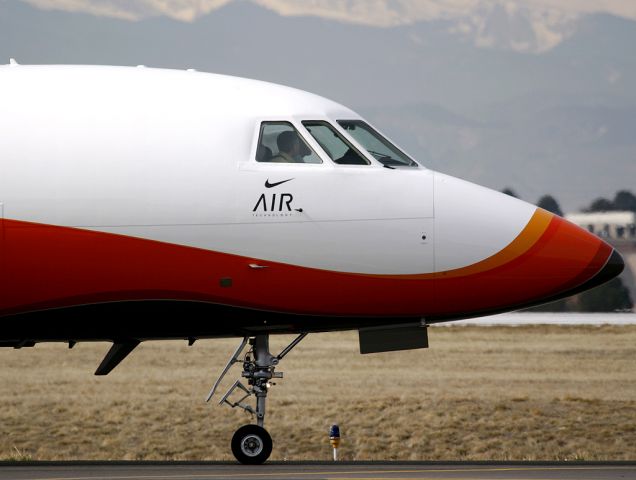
[379,155]
[391,162]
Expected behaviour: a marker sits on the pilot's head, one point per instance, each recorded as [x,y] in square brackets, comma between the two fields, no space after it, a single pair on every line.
[288,142]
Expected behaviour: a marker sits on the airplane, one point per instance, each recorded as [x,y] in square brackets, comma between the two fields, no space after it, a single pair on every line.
[141,204]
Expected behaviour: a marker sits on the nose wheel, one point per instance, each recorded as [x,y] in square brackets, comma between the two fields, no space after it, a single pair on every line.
[251,444]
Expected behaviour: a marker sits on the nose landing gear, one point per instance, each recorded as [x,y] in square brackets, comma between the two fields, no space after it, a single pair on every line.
[251,444]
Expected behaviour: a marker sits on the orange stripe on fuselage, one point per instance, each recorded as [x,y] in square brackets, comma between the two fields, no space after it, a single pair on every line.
[527,238]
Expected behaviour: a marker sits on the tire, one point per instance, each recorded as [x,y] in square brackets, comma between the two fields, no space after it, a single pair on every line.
[251,445]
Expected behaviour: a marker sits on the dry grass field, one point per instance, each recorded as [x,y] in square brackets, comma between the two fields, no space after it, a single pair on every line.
[543,392]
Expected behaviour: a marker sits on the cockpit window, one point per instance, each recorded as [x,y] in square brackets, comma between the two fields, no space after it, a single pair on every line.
[280,142]
[334,144]
[378,146]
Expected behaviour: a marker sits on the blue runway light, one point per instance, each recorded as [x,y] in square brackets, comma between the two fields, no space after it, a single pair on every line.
[334,439]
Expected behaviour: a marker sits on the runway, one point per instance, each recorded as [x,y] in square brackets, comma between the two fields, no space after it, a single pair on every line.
[517,319]
[312,471]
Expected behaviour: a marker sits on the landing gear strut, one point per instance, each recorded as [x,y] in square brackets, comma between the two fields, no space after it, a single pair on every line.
[251,444]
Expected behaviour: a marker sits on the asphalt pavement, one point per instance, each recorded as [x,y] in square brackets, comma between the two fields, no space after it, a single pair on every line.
[315,470]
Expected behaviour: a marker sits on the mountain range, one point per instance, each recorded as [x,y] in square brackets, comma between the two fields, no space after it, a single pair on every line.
[524,25]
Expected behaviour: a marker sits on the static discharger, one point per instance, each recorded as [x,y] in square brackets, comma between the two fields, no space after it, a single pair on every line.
[334,439]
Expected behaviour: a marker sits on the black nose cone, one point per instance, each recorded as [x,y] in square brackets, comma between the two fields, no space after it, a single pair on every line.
[613,268]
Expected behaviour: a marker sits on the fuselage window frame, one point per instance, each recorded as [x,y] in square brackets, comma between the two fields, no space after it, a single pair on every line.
[287,122]
[346,141]
[384,140]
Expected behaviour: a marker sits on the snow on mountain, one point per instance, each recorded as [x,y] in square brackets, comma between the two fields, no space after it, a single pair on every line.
[532,26]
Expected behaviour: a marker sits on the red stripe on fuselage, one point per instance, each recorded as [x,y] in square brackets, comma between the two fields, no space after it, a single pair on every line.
[45,266]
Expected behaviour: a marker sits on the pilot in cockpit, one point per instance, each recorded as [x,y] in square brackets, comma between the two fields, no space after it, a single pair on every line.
[290,148]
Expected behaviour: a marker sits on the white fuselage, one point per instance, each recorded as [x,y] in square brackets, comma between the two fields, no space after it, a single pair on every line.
[170,156]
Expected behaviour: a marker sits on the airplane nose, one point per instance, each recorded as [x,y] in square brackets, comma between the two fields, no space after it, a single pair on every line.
[613,268]
[582,259]
[496,253]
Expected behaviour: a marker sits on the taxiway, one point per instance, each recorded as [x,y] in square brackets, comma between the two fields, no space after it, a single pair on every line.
[310,471]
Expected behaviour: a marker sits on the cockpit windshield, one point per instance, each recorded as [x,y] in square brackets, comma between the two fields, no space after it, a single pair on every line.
[378,146]
[334,144]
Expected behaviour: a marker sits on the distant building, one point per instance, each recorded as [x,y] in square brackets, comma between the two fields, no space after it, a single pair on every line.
[608,225]
[619,230]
